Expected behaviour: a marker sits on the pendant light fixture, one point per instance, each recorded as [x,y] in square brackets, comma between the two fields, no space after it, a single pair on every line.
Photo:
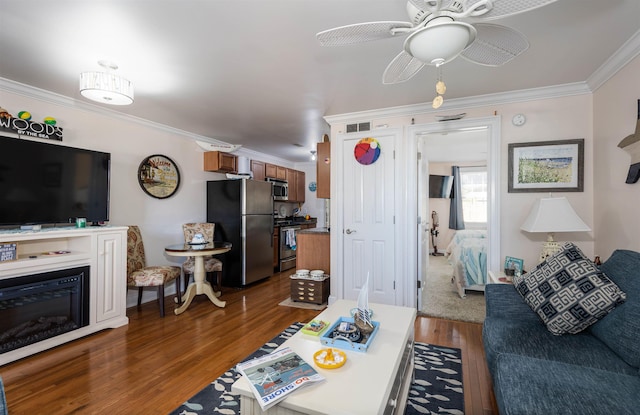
[106,87]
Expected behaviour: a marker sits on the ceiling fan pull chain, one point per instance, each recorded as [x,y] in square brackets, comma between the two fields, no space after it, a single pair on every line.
[441,88]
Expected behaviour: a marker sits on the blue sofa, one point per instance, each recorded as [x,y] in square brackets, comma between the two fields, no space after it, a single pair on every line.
[593,372]
[3,401]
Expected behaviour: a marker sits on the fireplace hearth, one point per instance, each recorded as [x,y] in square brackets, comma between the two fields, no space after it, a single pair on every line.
[37,307]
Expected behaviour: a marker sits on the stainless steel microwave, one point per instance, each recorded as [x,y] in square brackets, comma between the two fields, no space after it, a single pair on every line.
[280,189]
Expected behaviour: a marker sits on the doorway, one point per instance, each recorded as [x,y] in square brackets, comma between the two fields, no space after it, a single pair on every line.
[421,138]
[442,295]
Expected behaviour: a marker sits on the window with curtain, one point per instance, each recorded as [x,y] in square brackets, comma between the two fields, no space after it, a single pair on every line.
[473,182]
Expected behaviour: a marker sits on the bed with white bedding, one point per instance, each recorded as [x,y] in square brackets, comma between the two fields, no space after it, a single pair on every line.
[467,254]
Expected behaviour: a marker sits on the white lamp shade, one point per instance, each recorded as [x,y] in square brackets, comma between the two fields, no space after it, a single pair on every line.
[106,88]
[553,214]
[440,42]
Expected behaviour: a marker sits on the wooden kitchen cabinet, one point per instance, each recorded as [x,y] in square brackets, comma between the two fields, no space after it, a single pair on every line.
[258,170]
[293,189]
[219,161]
[313,251]
[270,170]
[323,170]
[296,181]
[273,171]
[300,186]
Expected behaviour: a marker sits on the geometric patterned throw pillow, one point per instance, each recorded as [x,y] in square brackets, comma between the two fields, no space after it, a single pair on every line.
[568,291]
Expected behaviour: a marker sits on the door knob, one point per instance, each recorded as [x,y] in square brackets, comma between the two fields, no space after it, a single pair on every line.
[349,231]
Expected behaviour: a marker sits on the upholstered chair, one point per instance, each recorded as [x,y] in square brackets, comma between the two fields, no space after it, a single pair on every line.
[212,266]
[140,275]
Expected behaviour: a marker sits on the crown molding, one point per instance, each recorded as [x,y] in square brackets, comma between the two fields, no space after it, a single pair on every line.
[628,51]
[49,97]
[625,54]
[455,104]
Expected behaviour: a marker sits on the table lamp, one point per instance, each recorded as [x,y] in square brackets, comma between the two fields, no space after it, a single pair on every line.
[553,214]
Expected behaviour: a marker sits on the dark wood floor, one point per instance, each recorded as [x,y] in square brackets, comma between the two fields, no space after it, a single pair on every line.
[154,364]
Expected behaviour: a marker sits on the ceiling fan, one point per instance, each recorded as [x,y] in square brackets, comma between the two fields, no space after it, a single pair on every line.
[437,34]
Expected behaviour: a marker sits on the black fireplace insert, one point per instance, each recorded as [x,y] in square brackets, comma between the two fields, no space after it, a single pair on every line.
[40,306]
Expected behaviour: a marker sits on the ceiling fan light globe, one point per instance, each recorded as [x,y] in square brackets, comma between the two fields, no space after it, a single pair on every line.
[440,42]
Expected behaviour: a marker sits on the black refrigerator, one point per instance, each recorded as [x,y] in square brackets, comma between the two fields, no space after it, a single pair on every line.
[242,211]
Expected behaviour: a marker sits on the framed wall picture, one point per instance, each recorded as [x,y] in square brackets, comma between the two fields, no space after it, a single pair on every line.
[515,264]
[158,176]
[546,166]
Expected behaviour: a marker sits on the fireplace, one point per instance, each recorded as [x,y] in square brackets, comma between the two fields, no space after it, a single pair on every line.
[36,307]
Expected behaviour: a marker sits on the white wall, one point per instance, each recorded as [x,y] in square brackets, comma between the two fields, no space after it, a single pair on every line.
[547,119]
[129,142]
[312,206]
[616,203]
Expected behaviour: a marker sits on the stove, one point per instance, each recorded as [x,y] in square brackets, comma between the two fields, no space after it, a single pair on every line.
[282,221]
[287,221]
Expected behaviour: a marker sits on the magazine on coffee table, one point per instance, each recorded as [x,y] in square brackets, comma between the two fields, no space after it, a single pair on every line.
[276,375]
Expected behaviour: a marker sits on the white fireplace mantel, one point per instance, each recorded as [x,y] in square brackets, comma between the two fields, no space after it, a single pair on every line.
[103,249]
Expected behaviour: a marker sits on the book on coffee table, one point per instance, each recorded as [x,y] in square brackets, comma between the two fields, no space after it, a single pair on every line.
[276,375]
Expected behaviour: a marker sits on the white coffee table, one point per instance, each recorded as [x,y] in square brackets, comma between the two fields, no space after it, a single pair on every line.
[373,382]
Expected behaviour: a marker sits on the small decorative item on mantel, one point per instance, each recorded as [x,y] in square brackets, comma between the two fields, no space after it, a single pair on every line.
[23,126]
[50,121]
[8,251]
[4,113]
[24,115]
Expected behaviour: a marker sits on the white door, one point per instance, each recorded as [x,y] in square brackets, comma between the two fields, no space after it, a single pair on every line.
[368,234]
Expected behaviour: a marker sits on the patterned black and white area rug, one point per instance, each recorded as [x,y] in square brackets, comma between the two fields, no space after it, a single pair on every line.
[436,389]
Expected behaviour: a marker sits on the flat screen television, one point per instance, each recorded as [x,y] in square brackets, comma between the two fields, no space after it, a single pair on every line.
[45,183]
[440,186]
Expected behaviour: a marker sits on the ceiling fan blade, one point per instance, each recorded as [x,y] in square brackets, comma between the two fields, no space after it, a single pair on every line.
[362,32]
[402,68]
[495,45]
[431,5]
[503,8]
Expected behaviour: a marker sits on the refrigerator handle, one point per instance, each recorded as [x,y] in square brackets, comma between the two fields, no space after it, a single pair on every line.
[272,231]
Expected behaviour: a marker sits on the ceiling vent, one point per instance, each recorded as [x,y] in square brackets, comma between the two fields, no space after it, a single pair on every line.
[354,128]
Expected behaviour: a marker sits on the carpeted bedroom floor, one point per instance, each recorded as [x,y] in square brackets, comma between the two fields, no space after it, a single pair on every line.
[440,298]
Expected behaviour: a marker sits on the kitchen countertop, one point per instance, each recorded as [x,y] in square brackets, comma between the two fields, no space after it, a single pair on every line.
[296,222]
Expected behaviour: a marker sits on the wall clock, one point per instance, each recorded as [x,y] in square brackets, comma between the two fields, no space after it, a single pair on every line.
[313,186]
[367,151]
[518,120]
[158,176]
